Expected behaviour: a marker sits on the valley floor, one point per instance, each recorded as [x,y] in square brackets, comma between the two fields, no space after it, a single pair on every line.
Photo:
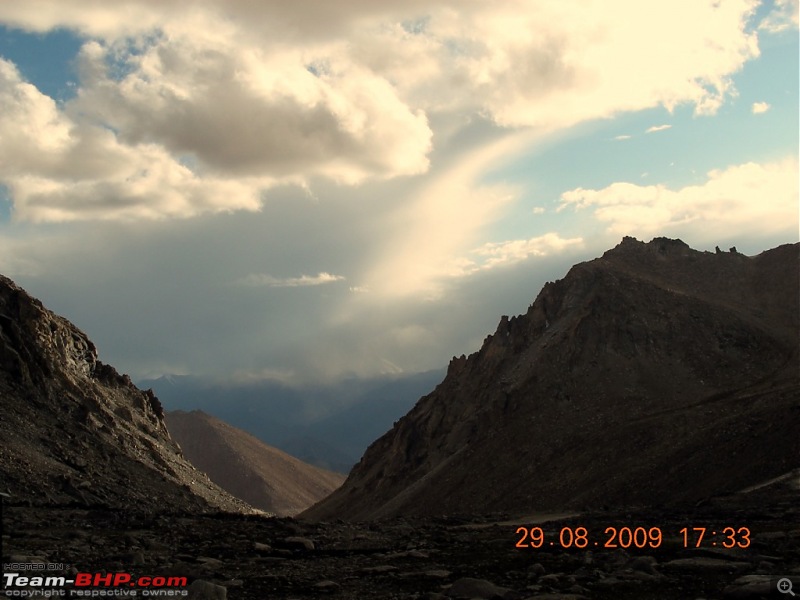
[261,558]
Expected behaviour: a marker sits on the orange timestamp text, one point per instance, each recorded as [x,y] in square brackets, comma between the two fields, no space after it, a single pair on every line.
[631,537]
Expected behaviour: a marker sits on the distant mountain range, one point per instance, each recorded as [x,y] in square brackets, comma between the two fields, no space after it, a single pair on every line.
[655,374]
[326,426]
[262,476]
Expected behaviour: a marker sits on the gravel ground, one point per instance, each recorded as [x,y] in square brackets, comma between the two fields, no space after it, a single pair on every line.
[253,557]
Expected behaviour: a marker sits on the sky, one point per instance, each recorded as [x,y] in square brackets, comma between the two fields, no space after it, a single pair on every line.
[311,190]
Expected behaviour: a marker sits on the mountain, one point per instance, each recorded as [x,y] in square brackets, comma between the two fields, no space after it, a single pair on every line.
[329,426]
[263,476]
[75,431]
[655,374]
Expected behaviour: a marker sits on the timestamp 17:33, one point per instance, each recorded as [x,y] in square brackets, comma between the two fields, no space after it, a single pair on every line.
[632,537]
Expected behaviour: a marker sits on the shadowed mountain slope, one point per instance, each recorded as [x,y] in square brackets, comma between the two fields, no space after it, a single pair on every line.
[259,474]
[654,374]
[74,431]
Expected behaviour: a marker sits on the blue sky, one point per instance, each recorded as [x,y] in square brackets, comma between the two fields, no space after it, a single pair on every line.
[305,192]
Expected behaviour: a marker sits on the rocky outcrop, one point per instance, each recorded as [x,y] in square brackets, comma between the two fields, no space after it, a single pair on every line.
[243,465]
[75,431]
[654,374]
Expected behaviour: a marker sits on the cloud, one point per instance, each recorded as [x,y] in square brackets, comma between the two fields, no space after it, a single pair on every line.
[177,127]
[782,17]
[620,138]
[240,110]
[742,200]
[760,108]
[60,169]
[656,128]
[265,280]
[500,254]
[440,220]
[271,93]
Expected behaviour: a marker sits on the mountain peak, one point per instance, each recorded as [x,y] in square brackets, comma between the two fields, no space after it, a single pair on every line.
[635,369]
[658,245]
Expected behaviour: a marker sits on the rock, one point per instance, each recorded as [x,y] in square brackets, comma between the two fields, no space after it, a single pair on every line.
[468,587]
[410,554]
[578,590]
[299,543]
[756,589]
[326,585]
[135,558]
[558,597]
[644,564]
[537,569]
[208,564]
[703,563]
[205,590]
[437,574]
[378,569]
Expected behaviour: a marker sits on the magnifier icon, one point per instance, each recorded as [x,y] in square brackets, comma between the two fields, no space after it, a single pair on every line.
[785,586]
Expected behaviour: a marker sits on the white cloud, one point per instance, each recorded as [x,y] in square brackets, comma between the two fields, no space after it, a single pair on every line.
[265,280]
[34,132]
[440,221]
[782,17]
[60,169]
[746,200]
[656,128]
[554,64]
[620,138]
[760,108]
[242,110]
[499,254]
[275,92]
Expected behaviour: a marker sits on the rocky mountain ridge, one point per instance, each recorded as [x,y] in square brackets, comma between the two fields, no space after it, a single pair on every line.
[76,432]
[654,374]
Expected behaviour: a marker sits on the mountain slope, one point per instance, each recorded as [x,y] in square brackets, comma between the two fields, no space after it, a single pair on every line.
[74,431]
[246,467]
[653,374]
